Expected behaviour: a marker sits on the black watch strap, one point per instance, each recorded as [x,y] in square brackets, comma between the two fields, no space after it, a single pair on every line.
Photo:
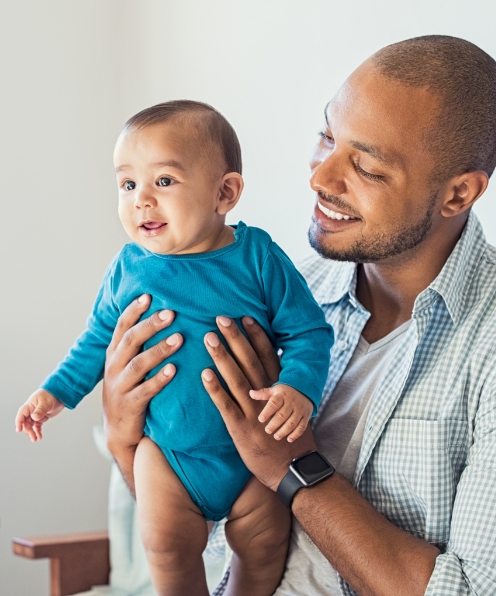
[288,488]
[304,472]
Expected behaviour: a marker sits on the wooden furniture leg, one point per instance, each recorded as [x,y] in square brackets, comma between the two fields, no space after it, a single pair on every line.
[77,561]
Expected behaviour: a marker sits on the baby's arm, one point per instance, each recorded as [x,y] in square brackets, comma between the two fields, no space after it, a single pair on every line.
[39,408]
[288,409]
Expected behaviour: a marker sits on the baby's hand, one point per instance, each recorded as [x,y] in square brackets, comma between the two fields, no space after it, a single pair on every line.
[289,409]
[39,408]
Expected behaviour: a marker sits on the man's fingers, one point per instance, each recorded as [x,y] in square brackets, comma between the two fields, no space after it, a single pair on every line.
[129,338]
[263,349]
[143,363]
[231,373]
[228,409]
[129,317]
[144,392]
[243,352]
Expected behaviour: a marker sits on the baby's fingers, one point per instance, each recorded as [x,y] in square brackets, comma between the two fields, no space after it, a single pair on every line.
[289,427]
[27,428]
[299,430]
[273,405]
[278,420]
[22,415]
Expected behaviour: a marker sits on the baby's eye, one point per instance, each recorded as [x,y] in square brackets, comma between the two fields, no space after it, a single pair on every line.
[164,181]
[129,185]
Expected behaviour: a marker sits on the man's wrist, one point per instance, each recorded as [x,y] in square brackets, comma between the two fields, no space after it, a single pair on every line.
[303,472]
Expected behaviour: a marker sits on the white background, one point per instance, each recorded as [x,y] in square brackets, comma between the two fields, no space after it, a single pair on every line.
[71,74]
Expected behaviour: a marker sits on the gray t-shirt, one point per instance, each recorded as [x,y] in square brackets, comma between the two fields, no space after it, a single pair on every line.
[339,435]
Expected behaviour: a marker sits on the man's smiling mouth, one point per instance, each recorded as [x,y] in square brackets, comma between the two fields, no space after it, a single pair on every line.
[334,214]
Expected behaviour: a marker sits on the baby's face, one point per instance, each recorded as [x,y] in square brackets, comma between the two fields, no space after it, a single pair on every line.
[168,192]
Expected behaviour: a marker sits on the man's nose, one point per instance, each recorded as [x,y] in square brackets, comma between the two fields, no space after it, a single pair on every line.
[144,199]
[327,173]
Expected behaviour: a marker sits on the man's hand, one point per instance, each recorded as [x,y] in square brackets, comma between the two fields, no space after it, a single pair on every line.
[125,393]
[39,408]
[255,365]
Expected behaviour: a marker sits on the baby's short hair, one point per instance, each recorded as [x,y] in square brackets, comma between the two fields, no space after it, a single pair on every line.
[211,125]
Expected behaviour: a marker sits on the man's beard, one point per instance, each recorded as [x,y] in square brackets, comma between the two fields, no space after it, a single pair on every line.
[380,246]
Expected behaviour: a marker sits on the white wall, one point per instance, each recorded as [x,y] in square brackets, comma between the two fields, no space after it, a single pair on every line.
[71,73]
[58,122]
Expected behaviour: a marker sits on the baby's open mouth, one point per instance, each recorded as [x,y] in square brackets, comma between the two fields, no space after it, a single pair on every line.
[151,228]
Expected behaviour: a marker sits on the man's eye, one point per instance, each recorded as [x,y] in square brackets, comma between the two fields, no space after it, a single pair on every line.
[366,174]
[129,185]
[164,181]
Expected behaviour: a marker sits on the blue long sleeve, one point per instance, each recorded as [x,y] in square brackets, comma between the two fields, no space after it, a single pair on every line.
[298,324]
[82,368]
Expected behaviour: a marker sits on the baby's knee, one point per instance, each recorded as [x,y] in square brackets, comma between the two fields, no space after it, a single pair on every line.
[262,534]
[169,550]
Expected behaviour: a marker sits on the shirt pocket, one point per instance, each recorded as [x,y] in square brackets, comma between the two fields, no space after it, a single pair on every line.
[413,474]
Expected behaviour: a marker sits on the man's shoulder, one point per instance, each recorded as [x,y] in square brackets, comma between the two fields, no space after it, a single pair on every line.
[324,276]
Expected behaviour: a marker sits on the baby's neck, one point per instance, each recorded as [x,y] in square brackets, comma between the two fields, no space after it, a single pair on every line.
[224,238]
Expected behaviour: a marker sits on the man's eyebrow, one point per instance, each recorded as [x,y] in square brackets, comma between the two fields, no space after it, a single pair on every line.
[376,153]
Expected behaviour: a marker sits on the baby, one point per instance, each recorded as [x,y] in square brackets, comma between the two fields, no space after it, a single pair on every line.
[178,167]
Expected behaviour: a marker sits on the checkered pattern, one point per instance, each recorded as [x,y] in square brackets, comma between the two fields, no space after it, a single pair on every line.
[428,458]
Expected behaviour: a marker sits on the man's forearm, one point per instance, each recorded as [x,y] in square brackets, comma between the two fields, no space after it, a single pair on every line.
[124,458]
[374,556]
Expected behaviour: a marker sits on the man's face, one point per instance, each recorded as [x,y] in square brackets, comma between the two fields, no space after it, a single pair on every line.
[168,189]
[372,172]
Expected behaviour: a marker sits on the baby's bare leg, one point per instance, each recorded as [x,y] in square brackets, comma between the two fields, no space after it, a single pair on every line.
[173,530]
[257,530]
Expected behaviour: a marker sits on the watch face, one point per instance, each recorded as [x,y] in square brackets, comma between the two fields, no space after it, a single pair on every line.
[311,467]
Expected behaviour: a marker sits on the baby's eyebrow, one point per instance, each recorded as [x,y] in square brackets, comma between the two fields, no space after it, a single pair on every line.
[170,164]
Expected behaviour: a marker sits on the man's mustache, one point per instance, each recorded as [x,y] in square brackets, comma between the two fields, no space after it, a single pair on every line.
[337,202]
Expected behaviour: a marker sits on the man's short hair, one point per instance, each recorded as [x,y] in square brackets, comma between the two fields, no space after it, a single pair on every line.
[209,126]
[463,138]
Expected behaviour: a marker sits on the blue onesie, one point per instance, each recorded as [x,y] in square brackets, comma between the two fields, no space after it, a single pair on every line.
[252,276]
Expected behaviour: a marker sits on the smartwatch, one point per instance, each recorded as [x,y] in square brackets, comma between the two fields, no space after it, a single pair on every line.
[303,472]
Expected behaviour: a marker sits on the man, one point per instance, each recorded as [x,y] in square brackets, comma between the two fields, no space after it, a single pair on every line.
[408,282]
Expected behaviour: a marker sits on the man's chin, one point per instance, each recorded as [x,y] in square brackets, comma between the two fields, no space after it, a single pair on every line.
[317,242]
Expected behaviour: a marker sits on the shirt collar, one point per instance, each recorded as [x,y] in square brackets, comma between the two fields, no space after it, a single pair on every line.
[451,284]
[455,279]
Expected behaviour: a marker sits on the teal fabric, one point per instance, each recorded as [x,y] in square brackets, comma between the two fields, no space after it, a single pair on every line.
[252,276]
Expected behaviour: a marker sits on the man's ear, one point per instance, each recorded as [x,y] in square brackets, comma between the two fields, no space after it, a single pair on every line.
[463,191]
[230,190]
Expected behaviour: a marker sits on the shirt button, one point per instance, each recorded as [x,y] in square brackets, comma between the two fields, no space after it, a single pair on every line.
[342,345]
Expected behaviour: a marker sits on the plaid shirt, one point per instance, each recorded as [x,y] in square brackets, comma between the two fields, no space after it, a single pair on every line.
[428,457]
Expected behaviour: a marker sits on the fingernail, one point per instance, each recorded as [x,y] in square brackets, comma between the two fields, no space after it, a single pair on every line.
[163,315]
[249,320]
[143,298]
[212,340]
[172,340]
[168,370]
[207,374]
[261,418]
[224,321]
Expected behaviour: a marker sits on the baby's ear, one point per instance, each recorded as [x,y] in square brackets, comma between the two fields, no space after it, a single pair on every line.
[230,190]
